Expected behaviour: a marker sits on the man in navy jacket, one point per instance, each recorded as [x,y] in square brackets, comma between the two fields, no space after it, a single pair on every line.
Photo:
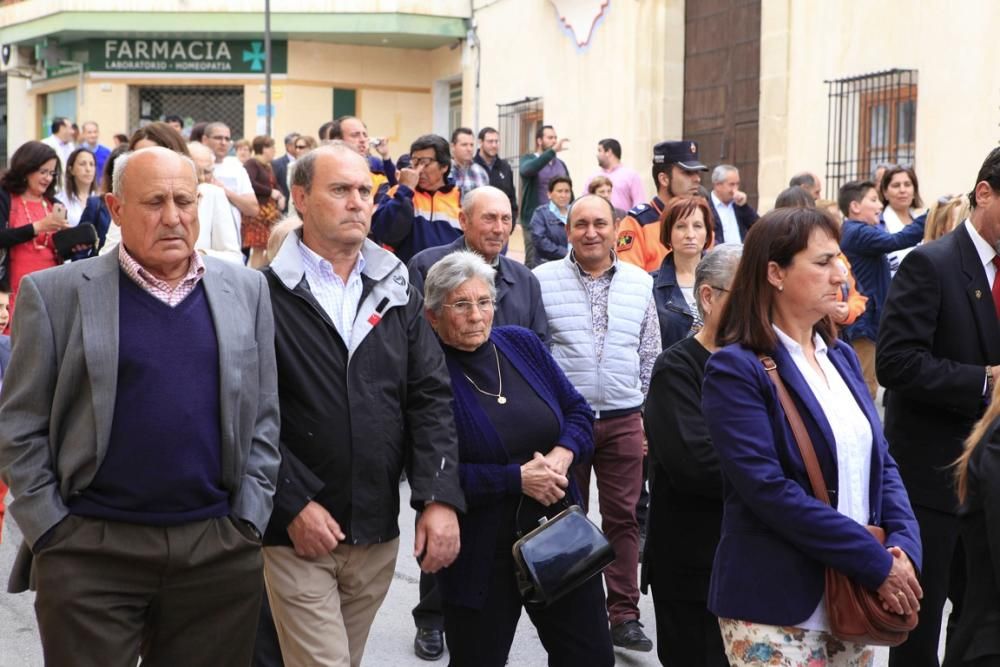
[939,358]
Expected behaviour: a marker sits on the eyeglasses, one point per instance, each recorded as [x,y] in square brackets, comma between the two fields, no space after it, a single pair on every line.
[423,161]
[48,172]
[721,289]
[218,137]
[465,307]
[301,147]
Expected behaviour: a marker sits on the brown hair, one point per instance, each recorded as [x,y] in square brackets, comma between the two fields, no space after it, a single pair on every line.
[883,185]
[160,134]
[976,437]
[777,237]
[599,182]
[681,208]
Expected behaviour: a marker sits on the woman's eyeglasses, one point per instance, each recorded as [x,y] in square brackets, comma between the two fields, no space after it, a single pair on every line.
[465,307]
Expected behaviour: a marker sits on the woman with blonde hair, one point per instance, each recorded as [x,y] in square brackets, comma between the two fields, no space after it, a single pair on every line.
[977,479]
[944,216]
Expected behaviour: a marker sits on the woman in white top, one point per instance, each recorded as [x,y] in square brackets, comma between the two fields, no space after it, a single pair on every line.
[900,195]
[80,184]
[777,538]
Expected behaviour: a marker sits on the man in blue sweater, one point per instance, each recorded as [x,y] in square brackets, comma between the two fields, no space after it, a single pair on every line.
[138,434]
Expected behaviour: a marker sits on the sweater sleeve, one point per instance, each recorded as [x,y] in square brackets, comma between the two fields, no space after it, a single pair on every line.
[392,222]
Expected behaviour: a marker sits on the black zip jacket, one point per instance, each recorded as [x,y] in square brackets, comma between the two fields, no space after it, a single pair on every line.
[352,419]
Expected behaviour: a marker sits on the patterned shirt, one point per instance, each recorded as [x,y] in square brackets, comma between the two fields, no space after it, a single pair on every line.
[469,178]
[161,289]
[649,334]
[338,300]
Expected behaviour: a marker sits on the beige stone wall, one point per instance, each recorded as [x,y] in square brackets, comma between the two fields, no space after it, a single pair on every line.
[958,104]
[626,83]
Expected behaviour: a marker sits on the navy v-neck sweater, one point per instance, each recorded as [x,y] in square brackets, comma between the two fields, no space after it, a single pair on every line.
[163,465]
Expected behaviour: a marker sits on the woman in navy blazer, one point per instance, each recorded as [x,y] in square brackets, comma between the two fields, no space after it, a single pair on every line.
[777,538]
[521,425]
[686,230]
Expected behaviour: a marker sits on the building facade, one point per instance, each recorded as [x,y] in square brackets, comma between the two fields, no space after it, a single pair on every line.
[773,86]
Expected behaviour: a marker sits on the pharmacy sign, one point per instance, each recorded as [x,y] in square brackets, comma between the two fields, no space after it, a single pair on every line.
[185,56]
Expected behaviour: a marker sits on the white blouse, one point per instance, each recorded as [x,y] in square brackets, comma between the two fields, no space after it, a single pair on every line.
[852,434]
[74,207]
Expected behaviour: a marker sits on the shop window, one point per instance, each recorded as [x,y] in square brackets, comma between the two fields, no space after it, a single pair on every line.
[872,121]
[192,103]
[518,122]
[61,103]
[345,102]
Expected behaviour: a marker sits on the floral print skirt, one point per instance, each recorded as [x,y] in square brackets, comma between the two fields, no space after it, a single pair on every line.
[755,645]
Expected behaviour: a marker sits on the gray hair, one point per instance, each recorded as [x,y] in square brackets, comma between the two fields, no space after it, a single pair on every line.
[470,198]
[716,269]
[450,272]
[305,167]
[121,164]
[803,178]
[719,173]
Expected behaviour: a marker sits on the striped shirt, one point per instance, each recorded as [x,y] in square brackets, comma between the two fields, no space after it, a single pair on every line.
[338,300]
[160,289]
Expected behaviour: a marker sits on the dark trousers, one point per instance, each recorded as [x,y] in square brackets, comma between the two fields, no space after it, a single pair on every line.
[687,633]
[110,592]
[574,630]
[530,259]
[266,650]
[428,615]
[617,463]
[942,577]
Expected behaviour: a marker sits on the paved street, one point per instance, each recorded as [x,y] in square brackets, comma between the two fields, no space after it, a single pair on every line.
[390,644]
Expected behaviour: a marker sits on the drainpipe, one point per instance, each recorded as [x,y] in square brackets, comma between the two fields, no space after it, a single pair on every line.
[473,40]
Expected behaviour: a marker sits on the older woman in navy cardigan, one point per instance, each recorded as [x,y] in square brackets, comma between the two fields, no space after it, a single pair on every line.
[521,425]
[767,585]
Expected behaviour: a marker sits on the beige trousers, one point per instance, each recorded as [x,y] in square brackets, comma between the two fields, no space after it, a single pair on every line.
[324,608]
[865,349]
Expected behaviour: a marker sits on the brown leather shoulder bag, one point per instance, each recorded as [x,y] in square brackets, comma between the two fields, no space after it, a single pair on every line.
[856,613]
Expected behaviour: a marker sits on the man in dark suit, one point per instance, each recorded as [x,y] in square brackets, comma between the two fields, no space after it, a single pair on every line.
[731,212]
[139,436]
[280,165]
[937,356]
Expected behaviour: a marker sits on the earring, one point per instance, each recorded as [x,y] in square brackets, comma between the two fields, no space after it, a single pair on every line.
[781,288]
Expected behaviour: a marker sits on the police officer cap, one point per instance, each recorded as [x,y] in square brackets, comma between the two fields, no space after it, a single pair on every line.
[683,153]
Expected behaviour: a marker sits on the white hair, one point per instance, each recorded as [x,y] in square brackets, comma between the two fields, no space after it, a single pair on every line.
[450,272]
[719,173]
[121,164]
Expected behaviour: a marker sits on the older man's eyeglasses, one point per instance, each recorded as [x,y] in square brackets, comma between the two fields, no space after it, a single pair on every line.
[465,307]
[423,161]
[219,137]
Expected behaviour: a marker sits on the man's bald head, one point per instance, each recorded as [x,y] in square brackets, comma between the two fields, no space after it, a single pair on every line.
[154,155]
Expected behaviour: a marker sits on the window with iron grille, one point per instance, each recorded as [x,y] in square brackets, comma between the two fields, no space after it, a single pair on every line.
[518,122]
[192,103]
[872,121]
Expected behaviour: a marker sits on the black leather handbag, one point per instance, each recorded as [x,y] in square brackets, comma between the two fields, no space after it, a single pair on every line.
[65,240]
[558,556]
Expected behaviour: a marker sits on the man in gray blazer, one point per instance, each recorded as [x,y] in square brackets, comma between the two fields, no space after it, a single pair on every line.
[138,434]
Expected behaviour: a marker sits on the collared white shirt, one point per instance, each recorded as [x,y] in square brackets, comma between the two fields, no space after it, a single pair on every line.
[852,433]
[727,214]
[985,251]
[63,150]
[234,177]
[338,300]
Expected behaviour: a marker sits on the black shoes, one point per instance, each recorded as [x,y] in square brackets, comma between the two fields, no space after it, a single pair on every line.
[629,635]
[429,643]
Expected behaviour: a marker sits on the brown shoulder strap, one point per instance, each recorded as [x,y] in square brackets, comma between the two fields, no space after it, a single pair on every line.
[799,430]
